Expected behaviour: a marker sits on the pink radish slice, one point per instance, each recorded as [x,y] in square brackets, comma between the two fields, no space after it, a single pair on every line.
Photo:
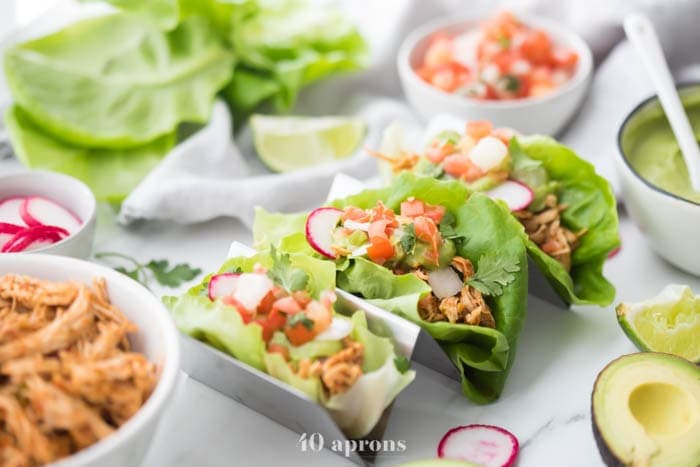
[222,285]
[319,229]
[8,231]
[485,445]
[9,210]
[517,195]
[37,210]
[27,237]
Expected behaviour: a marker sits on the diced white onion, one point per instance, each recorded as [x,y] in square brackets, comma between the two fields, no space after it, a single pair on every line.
[339,328]
[445,282]
[488,153]
[354,225]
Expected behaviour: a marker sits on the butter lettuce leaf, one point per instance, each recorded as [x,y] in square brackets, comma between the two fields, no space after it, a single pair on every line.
[110,173]
[118,81]
[591,206]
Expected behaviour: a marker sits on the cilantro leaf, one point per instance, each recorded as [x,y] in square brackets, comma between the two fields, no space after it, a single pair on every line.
[408,239]
[447,227]
[160,270]
[402,364]
[493,272]
[172,276]
[284,274]
[428,169]
[298,318]
[447,137]
[512,83]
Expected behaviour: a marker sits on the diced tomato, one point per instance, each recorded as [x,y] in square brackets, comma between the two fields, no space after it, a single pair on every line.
[278,348]
[381,212]
[439,51]
[478,129]
[380,249]
[564,58]
[320,315]
[460,166]
[537,46]
[299,333]
[353,213]
[247,315]
[266,302]
[302,297]
[412,207]
[267,329]
[437,152]
[276,319]
[445,79]
[435,213]
[378,229]
[287,305]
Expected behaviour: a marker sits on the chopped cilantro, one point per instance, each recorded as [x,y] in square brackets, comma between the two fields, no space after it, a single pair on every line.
[161,271]
[493,272]
[300,318]
[447,227]
[408,239]
[284,274]
[504,42]
[512,83]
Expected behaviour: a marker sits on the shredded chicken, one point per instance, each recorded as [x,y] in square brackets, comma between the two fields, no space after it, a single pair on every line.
[545,229]
[404,161]
[67,378]
[468,306]
[337,372]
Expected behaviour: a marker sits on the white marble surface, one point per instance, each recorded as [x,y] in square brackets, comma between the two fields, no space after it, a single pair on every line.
[546,402]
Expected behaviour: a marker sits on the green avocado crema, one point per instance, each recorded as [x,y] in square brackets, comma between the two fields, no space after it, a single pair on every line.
[652,150]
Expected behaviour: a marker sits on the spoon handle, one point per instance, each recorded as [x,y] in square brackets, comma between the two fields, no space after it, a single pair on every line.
[642,35]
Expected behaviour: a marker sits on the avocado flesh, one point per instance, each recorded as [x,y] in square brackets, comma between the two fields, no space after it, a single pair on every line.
[646,411]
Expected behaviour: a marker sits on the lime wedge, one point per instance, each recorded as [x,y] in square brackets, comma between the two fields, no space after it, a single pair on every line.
[290,143]
[669,322]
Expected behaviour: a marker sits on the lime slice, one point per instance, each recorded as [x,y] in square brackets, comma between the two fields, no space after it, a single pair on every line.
[669,322]
[290,143]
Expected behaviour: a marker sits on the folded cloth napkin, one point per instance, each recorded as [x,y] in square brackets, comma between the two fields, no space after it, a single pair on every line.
[210,175]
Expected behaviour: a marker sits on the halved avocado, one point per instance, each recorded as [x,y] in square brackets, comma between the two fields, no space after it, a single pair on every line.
[646,411]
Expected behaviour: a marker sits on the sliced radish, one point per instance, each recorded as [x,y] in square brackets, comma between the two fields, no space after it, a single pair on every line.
[37,210]
[222,285]
[319,229]
[517,195]
[251,288]
[28,237]
[339,328]
[445,282]
[7,228]
[485,445]
[488,153]
[9,210]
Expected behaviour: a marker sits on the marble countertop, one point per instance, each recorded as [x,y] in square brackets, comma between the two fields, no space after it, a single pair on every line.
[546,402]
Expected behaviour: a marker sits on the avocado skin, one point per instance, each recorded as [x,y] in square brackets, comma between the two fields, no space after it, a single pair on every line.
[606,454]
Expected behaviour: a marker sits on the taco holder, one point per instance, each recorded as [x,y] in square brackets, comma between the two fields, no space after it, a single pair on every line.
[287,405]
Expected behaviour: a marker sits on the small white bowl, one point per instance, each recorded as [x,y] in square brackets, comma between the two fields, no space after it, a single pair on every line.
[670,223]
[156,338]
[544,115]
[67,191]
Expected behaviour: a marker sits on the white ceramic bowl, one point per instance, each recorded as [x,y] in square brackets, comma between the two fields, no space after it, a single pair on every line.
[67,191]
[670,224]
[545,115]
[156,338]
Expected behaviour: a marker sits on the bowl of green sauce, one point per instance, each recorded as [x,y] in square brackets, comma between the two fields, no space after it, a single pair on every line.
[655,183]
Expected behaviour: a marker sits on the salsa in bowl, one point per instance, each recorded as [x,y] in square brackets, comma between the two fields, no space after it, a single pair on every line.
[534,83]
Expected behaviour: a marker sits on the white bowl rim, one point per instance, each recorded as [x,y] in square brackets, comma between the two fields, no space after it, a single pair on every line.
[168,375]
[621,153]
[65,179]
[573,39]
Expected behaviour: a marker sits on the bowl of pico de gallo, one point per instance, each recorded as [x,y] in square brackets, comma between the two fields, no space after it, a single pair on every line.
[521,71]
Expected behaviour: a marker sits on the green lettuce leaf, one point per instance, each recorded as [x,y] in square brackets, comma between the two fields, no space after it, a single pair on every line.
[287,44]
[164,13]
[219,326]
[592,206]
[110,173]
[358,409]
[118,81]
[483,356]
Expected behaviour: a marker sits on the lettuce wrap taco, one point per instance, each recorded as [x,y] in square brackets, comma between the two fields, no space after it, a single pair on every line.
[417,249]
[568,211]
[275,312]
